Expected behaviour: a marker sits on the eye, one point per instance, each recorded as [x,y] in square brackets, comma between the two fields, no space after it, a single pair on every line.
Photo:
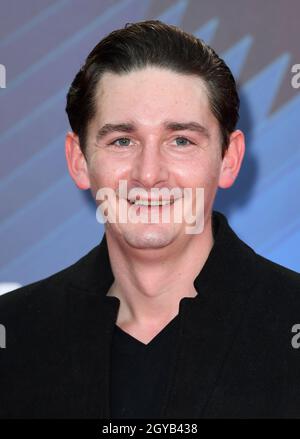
[182,140]
[124,142]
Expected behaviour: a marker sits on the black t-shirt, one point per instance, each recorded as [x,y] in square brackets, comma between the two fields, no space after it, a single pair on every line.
[139,372]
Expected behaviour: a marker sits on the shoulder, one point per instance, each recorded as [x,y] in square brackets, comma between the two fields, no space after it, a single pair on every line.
[245,268]
[47,291]
[274,287]
[273,305]
[276,276]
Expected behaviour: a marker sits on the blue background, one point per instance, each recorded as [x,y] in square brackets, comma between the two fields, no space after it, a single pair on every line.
[46,222]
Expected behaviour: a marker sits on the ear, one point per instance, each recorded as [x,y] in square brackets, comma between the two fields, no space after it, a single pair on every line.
[76,161]
[232,159]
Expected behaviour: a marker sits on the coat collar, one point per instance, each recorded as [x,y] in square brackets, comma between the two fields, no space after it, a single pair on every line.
[207,325]
[227,264]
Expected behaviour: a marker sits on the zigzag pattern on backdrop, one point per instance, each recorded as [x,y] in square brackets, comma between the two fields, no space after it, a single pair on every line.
[46,222]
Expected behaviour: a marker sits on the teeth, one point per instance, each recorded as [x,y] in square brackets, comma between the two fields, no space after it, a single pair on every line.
[151,203]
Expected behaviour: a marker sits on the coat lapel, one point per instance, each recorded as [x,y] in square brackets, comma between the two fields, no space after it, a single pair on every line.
[209,322]
[91,316]
[89,333]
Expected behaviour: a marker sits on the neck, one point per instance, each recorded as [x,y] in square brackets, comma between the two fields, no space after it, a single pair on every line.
[150,286]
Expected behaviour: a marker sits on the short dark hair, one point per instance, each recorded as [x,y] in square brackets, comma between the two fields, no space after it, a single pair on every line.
[153,43]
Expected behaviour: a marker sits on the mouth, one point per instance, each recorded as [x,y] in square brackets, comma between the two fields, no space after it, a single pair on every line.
[140,203]
[153,207]
[151,203]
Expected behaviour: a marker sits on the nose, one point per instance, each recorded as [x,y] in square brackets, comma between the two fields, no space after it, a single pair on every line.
[150,168]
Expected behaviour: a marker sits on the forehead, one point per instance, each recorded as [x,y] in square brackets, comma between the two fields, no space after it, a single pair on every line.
[151,95]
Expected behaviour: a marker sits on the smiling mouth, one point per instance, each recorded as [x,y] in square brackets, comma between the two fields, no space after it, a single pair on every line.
[151,203]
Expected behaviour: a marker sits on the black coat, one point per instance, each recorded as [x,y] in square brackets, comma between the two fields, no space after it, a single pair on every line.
[235,357]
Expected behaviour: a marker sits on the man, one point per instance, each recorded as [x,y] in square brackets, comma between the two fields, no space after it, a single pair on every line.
[160,319]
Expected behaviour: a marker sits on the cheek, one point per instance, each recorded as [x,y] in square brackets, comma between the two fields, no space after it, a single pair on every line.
[99,177]
[203,173]
[103,173]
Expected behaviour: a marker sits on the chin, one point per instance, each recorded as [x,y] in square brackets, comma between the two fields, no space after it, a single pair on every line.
[149,236]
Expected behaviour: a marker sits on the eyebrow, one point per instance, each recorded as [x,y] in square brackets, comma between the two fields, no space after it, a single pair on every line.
[169,125]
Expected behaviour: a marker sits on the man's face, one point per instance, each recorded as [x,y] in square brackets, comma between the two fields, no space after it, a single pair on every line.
[152,154]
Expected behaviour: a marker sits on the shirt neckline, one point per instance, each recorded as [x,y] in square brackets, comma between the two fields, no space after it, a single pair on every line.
[131,339]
